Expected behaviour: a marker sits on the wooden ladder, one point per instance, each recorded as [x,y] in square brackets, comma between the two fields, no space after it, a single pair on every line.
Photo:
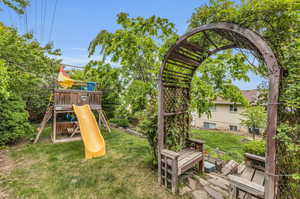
[103,118]
[46,118]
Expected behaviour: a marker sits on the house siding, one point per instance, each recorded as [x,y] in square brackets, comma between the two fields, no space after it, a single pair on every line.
[222,117]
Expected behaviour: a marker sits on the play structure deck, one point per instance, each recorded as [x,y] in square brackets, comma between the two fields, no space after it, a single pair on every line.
[65,98]
[63,101]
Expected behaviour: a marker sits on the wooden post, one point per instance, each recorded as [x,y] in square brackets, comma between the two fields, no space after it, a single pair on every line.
[99,118]
[160,129]
[270,184]
[233,191]
[175,175]
[54,126]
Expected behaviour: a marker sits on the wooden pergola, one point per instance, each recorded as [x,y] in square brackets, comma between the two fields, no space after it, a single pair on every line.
[177,71]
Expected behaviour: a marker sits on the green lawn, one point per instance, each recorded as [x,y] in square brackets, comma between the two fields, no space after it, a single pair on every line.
[224,141]
[48,170]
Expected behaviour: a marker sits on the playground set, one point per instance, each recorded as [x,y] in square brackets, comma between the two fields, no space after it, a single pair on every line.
[67,103]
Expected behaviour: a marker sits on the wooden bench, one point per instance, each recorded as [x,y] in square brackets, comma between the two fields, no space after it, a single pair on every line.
[250,183]
[173,164]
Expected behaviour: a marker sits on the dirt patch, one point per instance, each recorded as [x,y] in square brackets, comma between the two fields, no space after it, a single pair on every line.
[6,166]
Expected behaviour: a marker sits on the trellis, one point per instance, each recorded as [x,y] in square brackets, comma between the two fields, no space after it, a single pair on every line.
[178,69]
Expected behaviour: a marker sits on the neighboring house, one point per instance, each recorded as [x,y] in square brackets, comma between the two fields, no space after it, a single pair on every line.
[225,115]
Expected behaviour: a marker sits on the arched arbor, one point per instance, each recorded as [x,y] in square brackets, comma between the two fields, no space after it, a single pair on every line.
[179,66]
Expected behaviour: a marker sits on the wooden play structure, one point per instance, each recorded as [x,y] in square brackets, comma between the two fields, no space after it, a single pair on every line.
[62,101]
[177,70]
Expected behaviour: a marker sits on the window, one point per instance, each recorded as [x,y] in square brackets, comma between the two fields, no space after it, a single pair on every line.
[208,125]
[213,108]
[233,128]
[233,108]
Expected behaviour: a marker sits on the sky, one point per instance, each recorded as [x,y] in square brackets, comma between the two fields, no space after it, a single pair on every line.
[72,24]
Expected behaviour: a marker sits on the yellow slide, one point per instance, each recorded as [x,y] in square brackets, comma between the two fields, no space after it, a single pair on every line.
[90,132]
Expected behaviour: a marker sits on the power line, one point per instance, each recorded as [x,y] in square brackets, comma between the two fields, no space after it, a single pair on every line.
[52,21]
[26,20]
[35,16]
[44,20]
[41,25]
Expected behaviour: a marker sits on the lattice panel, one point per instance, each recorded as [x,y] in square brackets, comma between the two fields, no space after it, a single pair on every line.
[176,130]
[176,99]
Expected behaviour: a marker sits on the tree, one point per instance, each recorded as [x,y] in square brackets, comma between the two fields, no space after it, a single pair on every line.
[136,95]
[26,74]
[278,22]
[16,5]
[137,46]
[108,81]
[255,117]
[30,70]
[214,79]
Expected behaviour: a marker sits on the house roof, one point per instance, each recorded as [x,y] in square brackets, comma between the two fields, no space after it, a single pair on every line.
[250,95]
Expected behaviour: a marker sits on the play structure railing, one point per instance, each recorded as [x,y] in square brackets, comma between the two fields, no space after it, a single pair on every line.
[64,99]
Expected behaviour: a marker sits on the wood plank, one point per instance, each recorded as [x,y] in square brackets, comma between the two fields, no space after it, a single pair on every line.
[229,167]
[214,194]
[168,153]
[248,174]
[255,157]
[67,140]
[241,168]
[247,186]
[218,183]
[175,113]
[220,190]
[221,180]
[259,177]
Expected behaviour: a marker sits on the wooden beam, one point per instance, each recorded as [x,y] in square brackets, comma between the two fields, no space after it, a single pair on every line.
[67,140]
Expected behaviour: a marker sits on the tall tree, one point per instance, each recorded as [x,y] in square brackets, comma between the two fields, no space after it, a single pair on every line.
[137,46]
[278,22]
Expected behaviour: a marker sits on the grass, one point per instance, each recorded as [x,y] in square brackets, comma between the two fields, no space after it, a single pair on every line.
[226,142]
[48,170]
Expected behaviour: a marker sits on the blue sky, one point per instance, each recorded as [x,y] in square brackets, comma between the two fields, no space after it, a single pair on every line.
[78,22]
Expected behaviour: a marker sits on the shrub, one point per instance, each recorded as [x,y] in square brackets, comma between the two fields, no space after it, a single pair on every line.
[14,123]
[120,122]
[257,147]
[148,126]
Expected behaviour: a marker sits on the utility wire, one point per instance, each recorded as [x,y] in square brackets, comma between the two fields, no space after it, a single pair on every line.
[52,21]
[26,20]
[44,20]
[35,16]
[41,20]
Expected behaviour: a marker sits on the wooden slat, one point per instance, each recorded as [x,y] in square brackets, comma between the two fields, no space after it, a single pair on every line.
[255,157]
[179,64]
[214,194]
[248,173]
[175,113]
[258,177]
[192,47]
[177,72]
[184,59]
[67,140]
[247,186]
[229,167]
